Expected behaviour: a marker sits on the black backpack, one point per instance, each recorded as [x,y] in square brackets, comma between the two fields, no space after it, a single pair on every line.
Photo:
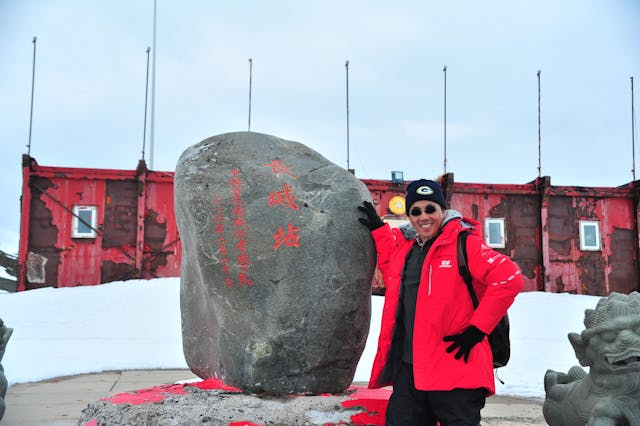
[499,337]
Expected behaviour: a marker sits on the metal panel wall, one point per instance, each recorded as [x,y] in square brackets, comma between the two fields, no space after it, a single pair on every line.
[136,234]
[518,206]
[138,238]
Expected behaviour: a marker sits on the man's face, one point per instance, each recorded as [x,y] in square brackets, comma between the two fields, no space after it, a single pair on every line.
[426,218]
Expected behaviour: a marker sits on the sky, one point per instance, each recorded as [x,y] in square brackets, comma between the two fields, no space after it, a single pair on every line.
[77,330]
[90,82]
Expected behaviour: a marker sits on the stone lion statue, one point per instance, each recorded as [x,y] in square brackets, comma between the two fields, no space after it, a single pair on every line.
[5,333]
[609,395]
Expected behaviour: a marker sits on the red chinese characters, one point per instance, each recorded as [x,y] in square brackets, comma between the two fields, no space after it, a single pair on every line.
[239,228]
[286,236]
[218,228]
[277,167]
[287,199]
[239,233]
[289,238]
[283,198]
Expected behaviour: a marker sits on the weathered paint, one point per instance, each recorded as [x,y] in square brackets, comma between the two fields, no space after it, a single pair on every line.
[623,272]
[49,256]
[615,266]
[43,255]
[518,205]
[138,238]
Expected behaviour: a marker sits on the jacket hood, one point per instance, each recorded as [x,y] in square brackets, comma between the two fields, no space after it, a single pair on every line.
[410,233]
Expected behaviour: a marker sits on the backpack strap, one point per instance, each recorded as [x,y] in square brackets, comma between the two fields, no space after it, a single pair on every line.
[463,267]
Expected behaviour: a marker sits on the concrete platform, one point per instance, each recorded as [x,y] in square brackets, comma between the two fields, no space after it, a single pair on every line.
[58,402]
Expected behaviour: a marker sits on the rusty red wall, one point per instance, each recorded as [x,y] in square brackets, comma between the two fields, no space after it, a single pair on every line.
[518,205]
[615,266]
[138,236]
[50,256]
[162,248]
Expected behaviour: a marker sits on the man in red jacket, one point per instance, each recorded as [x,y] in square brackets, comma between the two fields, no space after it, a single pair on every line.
[432,346]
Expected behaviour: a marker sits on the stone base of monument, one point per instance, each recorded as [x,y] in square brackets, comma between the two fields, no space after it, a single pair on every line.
[211,402]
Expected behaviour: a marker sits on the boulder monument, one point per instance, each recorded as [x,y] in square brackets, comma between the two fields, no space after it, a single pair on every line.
[276,271]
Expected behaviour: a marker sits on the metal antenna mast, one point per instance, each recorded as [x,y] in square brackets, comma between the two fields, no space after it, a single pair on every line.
[250,78]
[153,89]
[346,66]
[539,139]
[633,132]
[146,97]
[444,70]
[33,78]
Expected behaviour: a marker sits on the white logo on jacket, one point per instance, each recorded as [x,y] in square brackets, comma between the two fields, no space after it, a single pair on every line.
[445,263]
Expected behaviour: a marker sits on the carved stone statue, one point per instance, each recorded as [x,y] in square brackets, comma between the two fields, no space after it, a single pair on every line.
[5,333]
[609,394]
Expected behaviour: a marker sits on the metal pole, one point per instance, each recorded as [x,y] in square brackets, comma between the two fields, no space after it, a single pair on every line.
[346,66]
[146,93]
[33,78]
[153,90]
[633,133]
[539,139]
[444,70]
[250,81]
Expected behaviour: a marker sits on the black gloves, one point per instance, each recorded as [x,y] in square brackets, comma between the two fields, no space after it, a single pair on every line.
[464,342]
[372,221]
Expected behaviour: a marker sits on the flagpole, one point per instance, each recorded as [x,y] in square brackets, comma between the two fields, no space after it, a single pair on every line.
[346,66]
[539,137]
[250,82]
[146,97]
[444,70]
[33,78]
[153,90]
[633,133]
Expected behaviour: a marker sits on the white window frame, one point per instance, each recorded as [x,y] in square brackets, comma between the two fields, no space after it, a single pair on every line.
[487,235]
[76,223]
[583,237]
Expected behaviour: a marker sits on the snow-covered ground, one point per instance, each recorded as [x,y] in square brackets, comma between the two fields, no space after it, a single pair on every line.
[136,325]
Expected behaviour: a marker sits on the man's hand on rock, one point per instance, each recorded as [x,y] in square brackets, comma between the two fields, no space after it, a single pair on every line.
[372,221]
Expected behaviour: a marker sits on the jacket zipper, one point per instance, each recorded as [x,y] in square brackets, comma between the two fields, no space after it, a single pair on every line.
[430,269]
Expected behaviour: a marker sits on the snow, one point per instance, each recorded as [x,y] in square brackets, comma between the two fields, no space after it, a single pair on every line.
[136,325]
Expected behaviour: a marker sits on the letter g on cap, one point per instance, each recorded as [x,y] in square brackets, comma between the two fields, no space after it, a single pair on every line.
[424,190]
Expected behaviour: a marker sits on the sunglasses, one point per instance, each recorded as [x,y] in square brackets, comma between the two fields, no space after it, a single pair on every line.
[417,211]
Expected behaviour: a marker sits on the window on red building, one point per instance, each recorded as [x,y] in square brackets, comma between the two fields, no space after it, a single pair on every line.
[84,222]
[589,235]
[494,232]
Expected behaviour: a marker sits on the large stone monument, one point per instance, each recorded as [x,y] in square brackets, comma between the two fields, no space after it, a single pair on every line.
[5,334]
[609,394]
[276,273]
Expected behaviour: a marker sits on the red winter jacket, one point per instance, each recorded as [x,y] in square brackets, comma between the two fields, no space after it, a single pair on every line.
[443,306]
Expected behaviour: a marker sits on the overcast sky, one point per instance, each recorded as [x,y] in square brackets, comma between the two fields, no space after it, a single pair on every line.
[90,74]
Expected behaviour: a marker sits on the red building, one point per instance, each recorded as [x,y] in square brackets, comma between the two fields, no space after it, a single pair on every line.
[90,226]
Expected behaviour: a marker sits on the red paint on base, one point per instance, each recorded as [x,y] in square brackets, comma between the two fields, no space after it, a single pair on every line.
[145,396]
[373,401]
[212,383]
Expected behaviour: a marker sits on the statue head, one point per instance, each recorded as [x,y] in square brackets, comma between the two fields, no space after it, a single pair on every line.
[610,343]
[5,333]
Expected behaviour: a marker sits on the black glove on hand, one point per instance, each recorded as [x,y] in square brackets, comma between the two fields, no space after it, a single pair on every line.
[372,221]
[464,342]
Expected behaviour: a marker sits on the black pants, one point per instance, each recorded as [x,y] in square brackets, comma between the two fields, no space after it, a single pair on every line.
[409,406]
